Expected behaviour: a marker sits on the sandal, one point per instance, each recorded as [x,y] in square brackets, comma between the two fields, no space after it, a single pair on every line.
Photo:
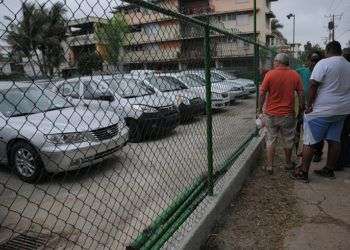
[300,175]
[290,166]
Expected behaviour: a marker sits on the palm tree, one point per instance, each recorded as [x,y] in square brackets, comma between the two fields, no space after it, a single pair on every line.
[39,34]
[276,25]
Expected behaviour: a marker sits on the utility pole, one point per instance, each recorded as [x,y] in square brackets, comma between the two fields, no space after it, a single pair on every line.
[332,26]
[289,16]
[333,32]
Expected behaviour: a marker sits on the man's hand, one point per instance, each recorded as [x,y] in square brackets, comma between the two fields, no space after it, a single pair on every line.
[308,109]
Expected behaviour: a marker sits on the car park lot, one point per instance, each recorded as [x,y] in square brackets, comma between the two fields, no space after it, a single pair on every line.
[109,204]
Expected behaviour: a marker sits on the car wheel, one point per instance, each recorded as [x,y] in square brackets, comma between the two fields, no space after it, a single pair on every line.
[26,162]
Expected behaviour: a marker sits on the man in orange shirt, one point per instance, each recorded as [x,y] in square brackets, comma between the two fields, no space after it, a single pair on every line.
[278,91]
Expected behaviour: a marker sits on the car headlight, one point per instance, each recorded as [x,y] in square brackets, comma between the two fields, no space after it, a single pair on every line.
[144,108]
[182,100]
[216,96]
[224,95]
[66,138]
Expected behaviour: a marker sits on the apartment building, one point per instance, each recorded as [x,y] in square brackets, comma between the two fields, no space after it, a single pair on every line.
[81,38]
[157,41]
[279,42]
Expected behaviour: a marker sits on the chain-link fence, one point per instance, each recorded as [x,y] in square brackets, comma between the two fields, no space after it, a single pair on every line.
[116,120]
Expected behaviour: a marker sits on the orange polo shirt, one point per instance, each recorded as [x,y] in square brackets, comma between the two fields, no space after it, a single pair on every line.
[281,84]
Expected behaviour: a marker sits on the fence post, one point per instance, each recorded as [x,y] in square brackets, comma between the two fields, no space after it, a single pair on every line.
[207,61]
[256,57]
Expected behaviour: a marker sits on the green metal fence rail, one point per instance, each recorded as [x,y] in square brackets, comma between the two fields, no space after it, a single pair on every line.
[150,241]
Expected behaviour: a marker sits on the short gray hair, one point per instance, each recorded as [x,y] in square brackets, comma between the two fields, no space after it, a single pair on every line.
[282,58]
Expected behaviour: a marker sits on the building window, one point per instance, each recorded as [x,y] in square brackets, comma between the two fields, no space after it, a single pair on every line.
[151,29]
[135,29]
[231,17]
[242,1]
[242,19]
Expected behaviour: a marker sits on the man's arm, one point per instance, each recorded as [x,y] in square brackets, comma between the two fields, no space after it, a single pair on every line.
[262,99]
[314,85]
[264,88]
[301,98]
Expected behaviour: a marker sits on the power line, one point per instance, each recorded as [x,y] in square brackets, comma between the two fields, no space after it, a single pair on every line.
[330,7]
[343,34]
[338,5]
[332,25]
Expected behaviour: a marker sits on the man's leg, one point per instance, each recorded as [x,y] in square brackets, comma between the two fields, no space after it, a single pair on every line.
[270,156]
[314,132]
[271,138]
[345,145]
[333,154]
[288,154]
[288,131]
[308,154]
[333,138]
[318,151]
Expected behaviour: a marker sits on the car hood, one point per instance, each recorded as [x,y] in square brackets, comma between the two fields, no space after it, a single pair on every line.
[77,119]
[231,83]
[155,100]
[222,87]
[190,94]
[244,81]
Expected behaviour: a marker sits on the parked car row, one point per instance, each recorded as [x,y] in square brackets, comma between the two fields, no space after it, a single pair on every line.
[77,122]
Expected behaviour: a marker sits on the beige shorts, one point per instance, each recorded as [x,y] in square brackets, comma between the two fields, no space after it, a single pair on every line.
[280,126]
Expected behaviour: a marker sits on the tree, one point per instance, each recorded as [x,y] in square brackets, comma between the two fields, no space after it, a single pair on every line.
[112,34]
[39,35]
[309,49]
[89,62]
[276,25]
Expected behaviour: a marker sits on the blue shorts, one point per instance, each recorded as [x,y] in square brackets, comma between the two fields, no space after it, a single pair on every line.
[317,129]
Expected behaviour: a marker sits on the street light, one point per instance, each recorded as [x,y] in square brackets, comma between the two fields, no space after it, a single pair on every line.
[289,16]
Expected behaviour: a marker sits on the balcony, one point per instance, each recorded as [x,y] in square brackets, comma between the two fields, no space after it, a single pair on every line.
[270,14]
[140,16]
[88,39]
[169,33]
[150,56]
[234,50]
[197,11]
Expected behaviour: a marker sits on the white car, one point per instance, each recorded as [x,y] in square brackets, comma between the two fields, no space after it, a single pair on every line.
[233,91]
[246,83]
[188,102]
[146,112]
[220,98]
[42,132]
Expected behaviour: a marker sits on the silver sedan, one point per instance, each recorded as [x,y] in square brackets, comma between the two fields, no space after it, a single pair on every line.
[41,132]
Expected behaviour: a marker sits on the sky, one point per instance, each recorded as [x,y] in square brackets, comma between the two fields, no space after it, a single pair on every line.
[311,23]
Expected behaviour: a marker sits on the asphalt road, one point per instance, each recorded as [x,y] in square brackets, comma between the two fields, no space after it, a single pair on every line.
[108,205]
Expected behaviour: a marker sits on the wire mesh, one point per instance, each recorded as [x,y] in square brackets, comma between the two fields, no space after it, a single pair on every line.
[104,118]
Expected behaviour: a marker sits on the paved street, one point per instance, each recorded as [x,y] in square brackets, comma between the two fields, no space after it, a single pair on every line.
[108,205]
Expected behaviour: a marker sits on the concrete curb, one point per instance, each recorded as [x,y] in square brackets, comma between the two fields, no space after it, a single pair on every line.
[230,185]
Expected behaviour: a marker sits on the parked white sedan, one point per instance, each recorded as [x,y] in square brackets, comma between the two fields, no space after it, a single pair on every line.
[41,132]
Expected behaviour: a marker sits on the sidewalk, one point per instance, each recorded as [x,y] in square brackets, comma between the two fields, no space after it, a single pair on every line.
[325,205]
[275,212]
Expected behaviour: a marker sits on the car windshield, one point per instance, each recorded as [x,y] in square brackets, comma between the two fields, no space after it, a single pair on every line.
[26,101]
[193,80]
[129,88]
[214,77]
[227,75]
[166,83]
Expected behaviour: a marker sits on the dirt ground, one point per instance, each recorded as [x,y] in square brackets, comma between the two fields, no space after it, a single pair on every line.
[260,217]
